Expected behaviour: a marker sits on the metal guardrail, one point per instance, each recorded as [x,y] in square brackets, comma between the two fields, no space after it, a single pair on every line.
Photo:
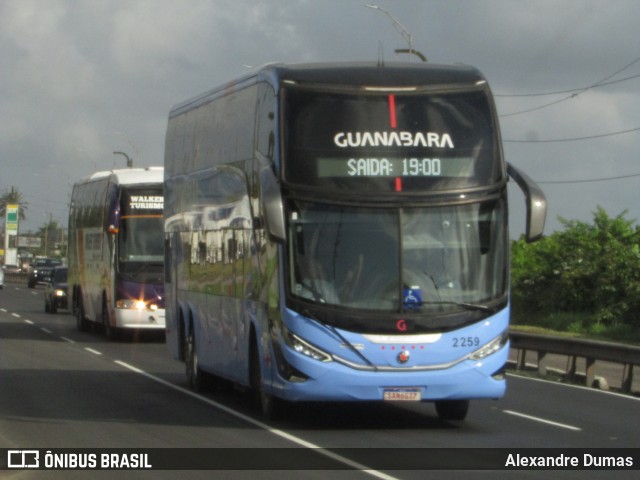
[573,348]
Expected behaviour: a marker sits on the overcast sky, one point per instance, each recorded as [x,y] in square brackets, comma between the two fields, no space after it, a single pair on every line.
[80,79]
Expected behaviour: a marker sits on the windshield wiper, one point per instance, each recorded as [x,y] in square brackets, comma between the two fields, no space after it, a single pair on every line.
[345,342]
[465,305]
[351,346]
[142,268]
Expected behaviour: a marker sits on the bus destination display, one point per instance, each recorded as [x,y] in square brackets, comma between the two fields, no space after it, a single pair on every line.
[386,142]
[331,167]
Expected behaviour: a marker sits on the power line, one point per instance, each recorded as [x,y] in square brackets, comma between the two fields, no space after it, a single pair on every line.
[573,95]
[572,90]
[539,107]
[575,139]
[591,180]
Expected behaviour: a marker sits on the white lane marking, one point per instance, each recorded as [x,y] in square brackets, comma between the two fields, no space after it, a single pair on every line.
[4,310]
[91,350]
[542,420]
[29,322]
[581,387]
[45,330]
[259,424]
[15,315]
[68,340]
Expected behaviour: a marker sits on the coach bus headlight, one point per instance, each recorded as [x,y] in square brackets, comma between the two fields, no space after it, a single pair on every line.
[491,347]
[304,348]
[135,304]
[127,303]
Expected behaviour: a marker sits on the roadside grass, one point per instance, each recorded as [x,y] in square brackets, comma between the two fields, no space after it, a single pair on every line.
[576,325]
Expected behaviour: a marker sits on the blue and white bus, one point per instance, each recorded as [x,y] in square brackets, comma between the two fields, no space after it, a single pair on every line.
[338,232]
[116,271]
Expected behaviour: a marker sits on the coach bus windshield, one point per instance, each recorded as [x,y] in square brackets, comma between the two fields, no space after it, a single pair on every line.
[415,260]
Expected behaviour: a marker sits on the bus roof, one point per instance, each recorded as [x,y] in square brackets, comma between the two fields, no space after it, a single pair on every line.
[130,176]
[365,75]
[372,75]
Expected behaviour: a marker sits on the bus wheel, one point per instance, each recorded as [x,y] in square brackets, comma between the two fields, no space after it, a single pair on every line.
[80,320]
[196,378]
[452,409]
[270,406]
[110,331]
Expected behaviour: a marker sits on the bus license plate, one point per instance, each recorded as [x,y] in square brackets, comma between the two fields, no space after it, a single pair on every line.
[402,395]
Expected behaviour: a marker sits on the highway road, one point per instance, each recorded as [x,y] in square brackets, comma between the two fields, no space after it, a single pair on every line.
[61,388]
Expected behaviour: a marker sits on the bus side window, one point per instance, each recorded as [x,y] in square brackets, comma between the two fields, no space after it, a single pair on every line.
[265,136]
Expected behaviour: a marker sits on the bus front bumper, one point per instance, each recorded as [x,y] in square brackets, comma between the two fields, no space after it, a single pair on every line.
[333,381]
[140,319]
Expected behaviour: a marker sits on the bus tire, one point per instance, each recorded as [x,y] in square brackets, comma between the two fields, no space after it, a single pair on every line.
[197,379]
[452,409]
[270,406]
[110,332]
[81,322]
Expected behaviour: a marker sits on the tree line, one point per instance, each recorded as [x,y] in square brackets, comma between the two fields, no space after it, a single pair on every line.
[584,278]
[51,232]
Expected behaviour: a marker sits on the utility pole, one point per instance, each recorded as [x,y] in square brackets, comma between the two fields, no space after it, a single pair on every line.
[414,52]
[129,161]
[403,31]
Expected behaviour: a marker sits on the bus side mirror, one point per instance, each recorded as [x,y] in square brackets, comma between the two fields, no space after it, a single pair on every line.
[536,203]
[272,206]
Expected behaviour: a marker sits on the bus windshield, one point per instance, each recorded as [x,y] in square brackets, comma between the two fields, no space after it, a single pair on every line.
[141,239]
[418,260]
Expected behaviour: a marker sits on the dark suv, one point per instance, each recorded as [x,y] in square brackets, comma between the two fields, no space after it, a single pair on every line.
[40,270]
[55,290]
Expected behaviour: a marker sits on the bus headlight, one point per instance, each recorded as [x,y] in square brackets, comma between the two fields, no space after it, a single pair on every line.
[135,304]
[300,346]
[60,293]
[491,347]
